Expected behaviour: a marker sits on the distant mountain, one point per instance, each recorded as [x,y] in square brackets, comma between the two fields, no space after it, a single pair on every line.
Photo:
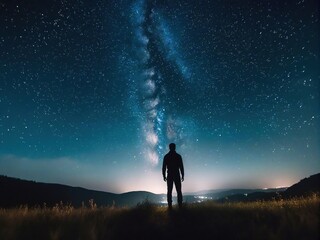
[305,187]
[250,197]
[234,192]
[15,192]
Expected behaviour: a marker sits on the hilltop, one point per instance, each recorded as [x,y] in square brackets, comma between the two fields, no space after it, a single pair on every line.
[285,219]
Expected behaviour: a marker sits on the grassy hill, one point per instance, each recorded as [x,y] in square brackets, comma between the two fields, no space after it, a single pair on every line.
[296,218]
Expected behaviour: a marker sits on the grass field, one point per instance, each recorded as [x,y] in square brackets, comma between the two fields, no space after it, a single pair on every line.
[282,219]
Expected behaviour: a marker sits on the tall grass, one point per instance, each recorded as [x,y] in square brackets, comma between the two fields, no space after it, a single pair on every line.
[280,219]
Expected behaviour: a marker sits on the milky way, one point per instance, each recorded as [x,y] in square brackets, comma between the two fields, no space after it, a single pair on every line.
[155,52]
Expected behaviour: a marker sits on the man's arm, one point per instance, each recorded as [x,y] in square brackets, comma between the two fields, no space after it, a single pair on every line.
[181,168]
[164,168]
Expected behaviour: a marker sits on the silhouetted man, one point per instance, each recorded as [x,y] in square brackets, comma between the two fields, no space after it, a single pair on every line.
[173,162]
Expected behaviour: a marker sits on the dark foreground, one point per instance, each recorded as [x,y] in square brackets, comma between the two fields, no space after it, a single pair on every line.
[282,219]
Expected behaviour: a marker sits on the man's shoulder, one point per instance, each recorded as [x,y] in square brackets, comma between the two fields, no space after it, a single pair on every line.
[177,156]
[166,156]
[172,155]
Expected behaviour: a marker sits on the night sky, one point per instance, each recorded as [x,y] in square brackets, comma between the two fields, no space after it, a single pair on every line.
[93,91]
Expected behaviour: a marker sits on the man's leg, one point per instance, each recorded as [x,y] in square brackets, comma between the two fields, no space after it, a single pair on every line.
[177,183]
[169,193]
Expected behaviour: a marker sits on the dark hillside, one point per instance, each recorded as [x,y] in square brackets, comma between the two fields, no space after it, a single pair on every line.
[305,187]
[15,192]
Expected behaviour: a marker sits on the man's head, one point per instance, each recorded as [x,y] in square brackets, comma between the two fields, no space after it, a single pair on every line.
[172,147]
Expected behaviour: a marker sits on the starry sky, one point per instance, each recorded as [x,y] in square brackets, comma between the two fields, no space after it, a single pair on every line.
[93,91]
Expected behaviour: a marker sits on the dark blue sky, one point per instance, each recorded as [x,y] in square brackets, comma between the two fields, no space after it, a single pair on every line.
[92,92]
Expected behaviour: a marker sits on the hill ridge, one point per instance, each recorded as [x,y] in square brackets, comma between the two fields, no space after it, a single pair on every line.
[16,192]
